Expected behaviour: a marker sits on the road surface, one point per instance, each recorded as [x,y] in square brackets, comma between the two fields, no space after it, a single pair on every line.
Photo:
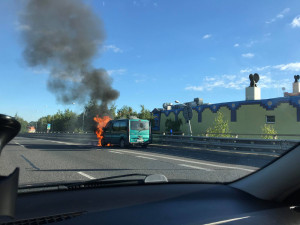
[44,160]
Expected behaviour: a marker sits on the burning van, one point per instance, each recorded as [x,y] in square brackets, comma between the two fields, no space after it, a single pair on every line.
[127,132]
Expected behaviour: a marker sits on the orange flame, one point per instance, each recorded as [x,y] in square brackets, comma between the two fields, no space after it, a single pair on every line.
[101,122]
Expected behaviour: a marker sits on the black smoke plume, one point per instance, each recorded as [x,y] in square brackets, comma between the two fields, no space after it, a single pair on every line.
[64,36]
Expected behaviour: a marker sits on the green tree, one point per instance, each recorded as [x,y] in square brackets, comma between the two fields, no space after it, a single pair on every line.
[126,112]
[60,122]
[24,123]
[42,123]
[145,113]
[220,127]
[92,109]
[69,120]
[174,125]
[113,110]
[269,131]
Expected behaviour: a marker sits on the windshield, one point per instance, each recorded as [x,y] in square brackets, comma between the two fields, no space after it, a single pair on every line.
[139,125]
[198,91]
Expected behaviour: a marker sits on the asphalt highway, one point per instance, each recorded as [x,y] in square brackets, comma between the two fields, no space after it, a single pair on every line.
[44,160]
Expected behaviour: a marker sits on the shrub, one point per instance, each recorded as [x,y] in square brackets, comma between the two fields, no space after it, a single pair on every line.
[220,127]
[269,131]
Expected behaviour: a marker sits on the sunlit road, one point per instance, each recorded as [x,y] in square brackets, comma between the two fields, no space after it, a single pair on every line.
[43,160]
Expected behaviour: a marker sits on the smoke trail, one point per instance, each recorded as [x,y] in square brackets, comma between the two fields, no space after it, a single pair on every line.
[64,36]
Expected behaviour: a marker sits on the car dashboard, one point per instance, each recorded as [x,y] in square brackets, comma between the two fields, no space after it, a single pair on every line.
[150,204]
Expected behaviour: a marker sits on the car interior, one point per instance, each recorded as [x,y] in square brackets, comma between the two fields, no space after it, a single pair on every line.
[269,196]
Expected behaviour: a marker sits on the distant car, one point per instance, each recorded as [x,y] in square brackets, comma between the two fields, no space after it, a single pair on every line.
[127,132]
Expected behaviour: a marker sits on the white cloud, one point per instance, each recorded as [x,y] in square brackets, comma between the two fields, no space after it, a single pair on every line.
[21,27]
[246,70]
[40,71]
[217,83]
[140,81]
[282,13]
[224,81]
[269,82]
[289,66]
[271,21]
[279,15]
[248,55]
[229,77]
[209,78]
[272,77]
[194,88]
[114,48]
[262,68]
[275,77]
[238,83]
[145,3]
[295,66]
[116,72]
[251,43]
[206,36]
[236,45]
[296,22]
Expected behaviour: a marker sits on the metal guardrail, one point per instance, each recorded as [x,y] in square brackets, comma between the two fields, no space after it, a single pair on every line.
[242,144]
[238,144]
[235,135]
[84,138]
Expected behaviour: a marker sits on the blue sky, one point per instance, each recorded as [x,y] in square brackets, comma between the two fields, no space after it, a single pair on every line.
[161,51]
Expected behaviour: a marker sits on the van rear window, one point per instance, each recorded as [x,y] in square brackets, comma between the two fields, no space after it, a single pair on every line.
[139,125]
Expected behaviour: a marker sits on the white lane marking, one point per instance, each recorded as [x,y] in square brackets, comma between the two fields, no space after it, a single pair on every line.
[19,144]
[116,152]
[231,152]
[144,157]
[226,221]
[67,143]
[62,142]
[195,167]
[86,175]
[190,161]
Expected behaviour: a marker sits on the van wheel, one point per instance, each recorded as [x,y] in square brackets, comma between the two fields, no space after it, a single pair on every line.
[122,143]
[103,143]
[144,146]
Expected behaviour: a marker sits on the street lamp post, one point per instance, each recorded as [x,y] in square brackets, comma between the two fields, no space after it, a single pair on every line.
[83,121]
[189,121]
[191,133]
